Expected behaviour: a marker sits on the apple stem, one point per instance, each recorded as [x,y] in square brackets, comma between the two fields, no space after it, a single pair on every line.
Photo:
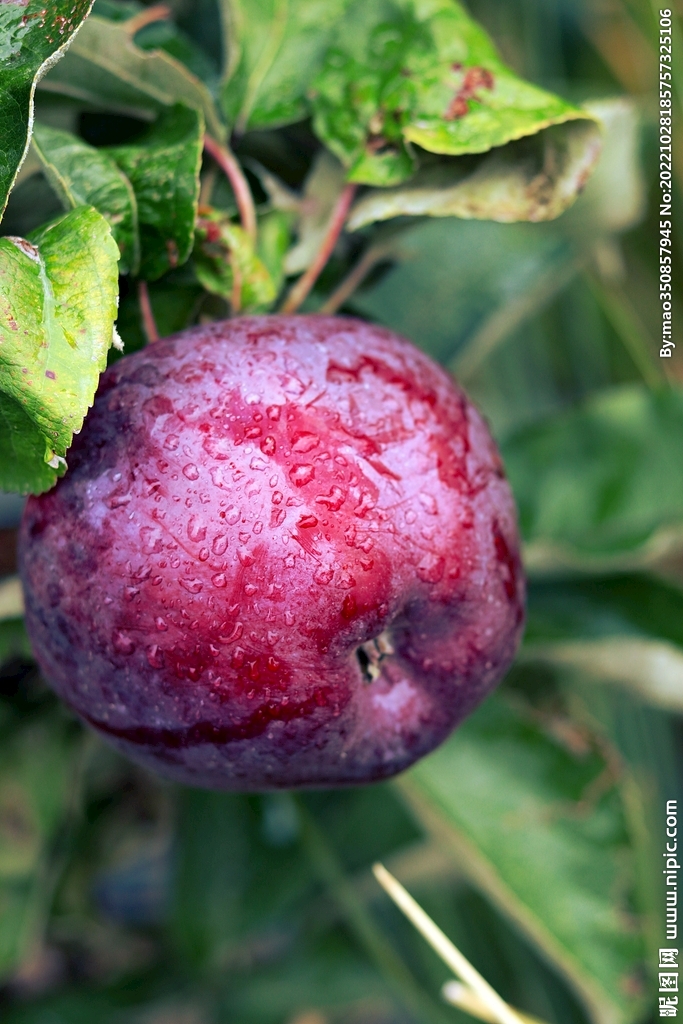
[370,258]
[228,163]
[334,229]
[159,12]
[149,324]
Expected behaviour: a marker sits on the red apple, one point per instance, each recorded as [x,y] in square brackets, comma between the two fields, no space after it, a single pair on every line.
[284,555]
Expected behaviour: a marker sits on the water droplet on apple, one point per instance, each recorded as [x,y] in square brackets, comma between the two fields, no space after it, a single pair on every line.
[323,575]
[307,522]
[190,471]
[219,544]
[305,442]
[232,515]
[366,504]
[430,568]
[150,537]
[219,580]
[428,503]
[161,624]
[191,586]
[122,642]
[196,529]
[301,474]
[333,501]
[118,500]
[234,634]
[268,445]
[155,656]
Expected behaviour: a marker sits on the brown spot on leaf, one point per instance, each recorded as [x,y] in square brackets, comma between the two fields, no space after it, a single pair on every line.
[475,78]
[172,251]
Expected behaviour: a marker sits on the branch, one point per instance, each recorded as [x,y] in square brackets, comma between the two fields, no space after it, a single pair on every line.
[355,277]
[442,945]
[235,175]
[334,230]
[148,322]
[159,12]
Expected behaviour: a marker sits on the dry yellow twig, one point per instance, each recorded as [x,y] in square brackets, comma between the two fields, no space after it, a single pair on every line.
[500,1012]
[457,994]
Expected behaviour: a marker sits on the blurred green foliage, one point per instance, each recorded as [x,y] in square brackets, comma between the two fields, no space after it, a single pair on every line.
[533,836]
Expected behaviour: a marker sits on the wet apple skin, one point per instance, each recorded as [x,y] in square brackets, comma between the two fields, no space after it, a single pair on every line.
[249,502]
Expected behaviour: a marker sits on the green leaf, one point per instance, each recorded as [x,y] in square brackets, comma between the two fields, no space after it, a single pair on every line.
[272,243]
[161,35]
[211,869]
[59,291]
[626,630]
[166,36]
[452,277]
[628,605]
[14,641]
[239,872]
[405,73]
[533,179]
[274,48]
[327,972]
[226,264]
[27,462]
[322,189]
[554,859]
[105,67]
[33,37]
[37,765]
[116,10]
[614,199]
[601,486]
[163,168]
[84,176]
